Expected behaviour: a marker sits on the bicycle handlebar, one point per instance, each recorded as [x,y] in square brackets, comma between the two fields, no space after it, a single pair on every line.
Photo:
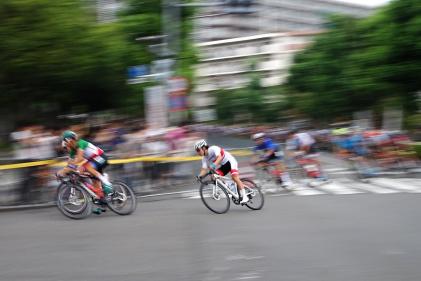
[211,172]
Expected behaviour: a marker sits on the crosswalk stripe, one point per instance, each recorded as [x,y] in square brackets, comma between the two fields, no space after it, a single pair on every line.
[306,191]
[367,187]
[343,173]
[395,184]
[335,169]
[341,187]
[411,181]
[336,188]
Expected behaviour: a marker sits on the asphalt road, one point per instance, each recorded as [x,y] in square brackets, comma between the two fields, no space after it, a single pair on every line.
[366,237]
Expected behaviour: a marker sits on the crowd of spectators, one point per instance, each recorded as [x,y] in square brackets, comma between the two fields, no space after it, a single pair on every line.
[117,138]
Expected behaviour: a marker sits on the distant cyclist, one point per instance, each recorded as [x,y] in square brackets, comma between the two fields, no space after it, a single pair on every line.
[301,145]
[222,162]
[271,154]
[86,157]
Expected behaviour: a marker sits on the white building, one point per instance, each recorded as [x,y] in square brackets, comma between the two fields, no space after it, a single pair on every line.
[227,64]
[216,23]
[267,37]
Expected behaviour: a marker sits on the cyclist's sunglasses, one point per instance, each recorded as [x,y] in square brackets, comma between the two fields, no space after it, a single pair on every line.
[197,149]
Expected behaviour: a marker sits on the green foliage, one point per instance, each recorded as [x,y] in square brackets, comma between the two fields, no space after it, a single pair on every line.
[360,63]
[417,148]
[413,121]
[54,53]
[251,104]
[57,59]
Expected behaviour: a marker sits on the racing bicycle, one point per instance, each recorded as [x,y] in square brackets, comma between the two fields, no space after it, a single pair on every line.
[76,197]
[217,193]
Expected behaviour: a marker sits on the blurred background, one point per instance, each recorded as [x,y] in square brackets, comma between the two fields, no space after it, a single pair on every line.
[149,77]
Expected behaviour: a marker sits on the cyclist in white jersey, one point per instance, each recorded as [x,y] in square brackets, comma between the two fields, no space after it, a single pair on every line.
[222,162]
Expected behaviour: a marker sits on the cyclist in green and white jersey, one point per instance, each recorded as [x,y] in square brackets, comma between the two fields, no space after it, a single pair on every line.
[86,157]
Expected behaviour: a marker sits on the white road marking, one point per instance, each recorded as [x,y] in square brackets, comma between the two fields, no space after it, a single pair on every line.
[415,182]
[343,173]
[337,188]
[336,169]
[306,191]
[372,188]
[396,184]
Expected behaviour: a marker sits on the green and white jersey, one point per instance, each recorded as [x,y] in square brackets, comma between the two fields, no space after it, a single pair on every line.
[89,150]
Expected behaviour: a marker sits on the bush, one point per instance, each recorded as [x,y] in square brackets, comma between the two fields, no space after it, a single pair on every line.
[417,148]
[413,122]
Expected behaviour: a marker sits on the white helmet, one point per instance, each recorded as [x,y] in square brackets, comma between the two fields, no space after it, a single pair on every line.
[258,136]
[199,144]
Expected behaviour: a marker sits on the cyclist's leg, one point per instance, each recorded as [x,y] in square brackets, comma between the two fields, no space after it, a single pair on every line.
[284,175]
[235,174]
[313,159]
[95,169]
[236,178]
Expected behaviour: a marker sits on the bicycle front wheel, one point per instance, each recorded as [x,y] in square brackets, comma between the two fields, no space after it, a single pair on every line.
[256,198]
[73,201]
[123,201]
[215,198]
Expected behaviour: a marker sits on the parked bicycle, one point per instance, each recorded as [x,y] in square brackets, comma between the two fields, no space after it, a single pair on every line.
[76,197]
[217,192]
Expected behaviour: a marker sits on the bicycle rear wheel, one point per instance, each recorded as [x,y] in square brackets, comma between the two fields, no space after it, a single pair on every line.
[123,201]
[256,198]
[215,198]
[73,201]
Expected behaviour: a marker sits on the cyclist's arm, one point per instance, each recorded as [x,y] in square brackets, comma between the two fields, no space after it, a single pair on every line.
[218,160]
[203,172]
[269,153]
[272,149]
[79,160]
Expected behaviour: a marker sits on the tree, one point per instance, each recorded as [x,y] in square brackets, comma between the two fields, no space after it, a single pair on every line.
[252,103]
[359,63]
[56,56]
[57,59]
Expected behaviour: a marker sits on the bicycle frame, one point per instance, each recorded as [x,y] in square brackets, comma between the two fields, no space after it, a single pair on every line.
[80,179]
[220,181]
[268,172]
[93,194]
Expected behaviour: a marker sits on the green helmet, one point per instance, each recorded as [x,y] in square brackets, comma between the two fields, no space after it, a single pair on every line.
[68,135]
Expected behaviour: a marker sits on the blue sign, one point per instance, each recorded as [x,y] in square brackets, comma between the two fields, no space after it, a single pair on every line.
[137,71]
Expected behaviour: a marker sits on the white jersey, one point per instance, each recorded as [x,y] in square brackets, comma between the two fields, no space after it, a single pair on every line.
[213,153]
[304,139]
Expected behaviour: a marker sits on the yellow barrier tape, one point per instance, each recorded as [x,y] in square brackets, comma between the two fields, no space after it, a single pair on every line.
[26,164]
[54,163]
